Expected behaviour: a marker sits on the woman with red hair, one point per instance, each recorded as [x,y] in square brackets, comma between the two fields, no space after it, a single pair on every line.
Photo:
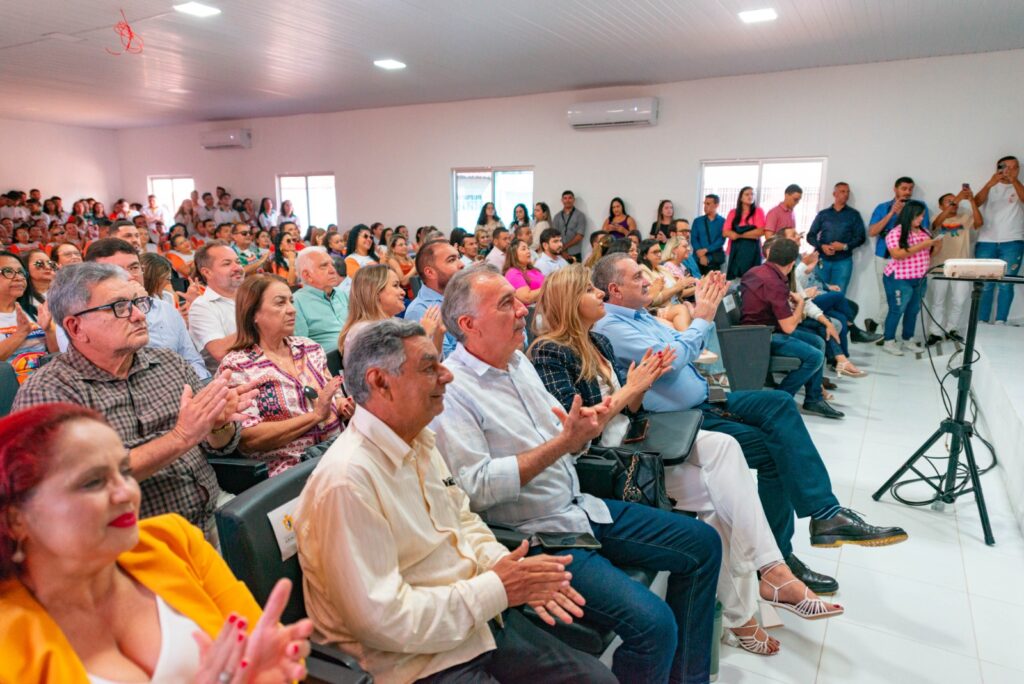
[88,593]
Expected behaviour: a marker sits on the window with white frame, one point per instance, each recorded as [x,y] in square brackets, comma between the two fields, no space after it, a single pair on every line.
[505,186]
[171,191]
[312,196]
[768,178]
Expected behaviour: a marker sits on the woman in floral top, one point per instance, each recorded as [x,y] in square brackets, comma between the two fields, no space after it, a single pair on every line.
[298,403]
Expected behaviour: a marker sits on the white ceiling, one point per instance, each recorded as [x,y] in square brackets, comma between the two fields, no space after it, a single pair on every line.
[273,57]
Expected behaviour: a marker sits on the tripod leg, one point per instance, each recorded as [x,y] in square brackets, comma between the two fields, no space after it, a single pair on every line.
[910,461]
[948,494]
[979,498]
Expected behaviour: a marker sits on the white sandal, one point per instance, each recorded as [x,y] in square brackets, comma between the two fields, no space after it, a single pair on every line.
[807,608]
[750,643]
[847,368]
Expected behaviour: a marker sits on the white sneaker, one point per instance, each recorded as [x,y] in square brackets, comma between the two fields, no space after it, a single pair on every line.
[892,347]
[913,346]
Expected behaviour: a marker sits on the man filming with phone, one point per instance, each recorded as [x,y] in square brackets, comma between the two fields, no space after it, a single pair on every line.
[958,214]
[1003,234]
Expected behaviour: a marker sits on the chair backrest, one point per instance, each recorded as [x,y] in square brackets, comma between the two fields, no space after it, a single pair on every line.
[415,283]
[248,542]
[334,362]
[8,387]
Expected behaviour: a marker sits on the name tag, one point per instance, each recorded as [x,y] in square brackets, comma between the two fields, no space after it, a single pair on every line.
[729,303]
[282,521]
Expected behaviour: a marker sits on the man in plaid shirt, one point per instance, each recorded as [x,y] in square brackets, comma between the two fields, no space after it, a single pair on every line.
[151,397]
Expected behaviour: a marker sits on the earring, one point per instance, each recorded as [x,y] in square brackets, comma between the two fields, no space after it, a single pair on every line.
[19,555]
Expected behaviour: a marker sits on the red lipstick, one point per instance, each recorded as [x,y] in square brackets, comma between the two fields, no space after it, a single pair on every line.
[125,520]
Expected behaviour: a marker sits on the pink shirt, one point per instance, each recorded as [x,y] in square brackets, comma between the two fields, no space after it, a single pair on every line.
[533,280]
[778,218]
[914,266]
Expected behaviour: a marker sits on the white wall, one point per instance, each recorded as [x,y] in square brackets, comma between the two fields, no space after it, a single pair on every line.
[67,161]
[942,121]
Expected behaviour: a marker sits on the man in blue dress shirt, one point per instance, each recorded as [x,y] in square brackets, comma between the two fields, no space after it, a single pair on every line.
[837,231]
[436,263]
[767,423]
[708,243]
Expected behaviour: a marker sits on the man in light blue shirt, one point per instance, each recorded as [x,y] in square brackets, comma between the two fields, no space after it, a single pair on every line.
[766,423]
[510,446]
[436,262]
[166,326]
[321,307]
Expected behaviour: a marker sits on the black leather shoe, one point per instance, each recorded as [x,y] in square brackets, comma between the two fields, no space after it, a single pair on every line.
[955,336]
[850,528]
[823,409]
[871,325]
[861,337]
[933,340]
[820,584]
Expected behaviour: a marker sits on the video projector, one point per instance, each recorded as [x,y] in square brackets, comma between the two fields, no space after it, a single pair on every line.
[992,269]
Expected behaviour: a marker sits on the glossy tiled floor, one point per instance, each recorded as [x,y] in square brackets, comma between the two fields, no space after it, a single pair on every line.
[939,608]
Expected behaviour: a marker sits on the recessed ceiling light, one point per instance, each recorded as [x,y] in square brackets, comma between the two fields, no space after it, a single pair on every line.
[389,64]
[757,16]
[197,9]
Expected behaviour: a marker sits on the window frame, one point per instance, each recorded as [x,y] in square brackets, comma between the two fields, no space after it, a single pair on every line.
[170,177]
[454,192]
[305,177]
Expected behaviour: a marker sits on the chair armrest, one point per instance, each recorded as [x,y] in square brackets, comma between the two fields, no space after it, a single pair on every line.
[235,475]
[331,666]
[508,537]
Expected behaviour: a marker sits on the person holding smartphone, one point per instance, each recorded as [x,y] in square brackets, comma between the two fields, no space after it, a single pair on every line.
[904,277]
[1003,234]
[958,214]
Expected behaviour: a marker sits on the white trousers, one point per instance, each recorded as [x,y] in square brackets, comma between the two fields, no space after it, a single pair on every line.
[883,302]
[716,484]
[947,301]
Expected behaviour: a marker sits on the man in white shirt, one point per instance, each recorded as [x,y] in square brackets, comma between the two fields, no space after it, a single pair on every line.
[550,259]
[1002,236]
[398,571]
[468,250]
[153,212]
[224,213]
[211,318]
[500,240]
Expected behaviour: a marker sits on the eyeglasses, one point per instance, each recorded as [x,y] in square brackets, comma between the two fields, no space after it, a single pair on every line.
[52,265]
[12,273]
[243,232]
[122,308]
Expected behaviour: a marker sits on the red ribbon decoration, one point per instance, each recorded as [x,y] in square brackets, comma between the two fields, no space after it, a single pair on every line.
[130,41]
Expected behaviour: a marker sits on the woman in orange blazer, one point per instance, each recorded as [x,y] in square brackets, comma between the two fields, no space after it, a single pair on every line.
[90,594]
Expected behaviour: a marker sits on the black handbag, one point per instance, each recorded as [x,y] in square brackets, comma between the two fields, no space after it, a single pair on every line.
[670,434]
[626,475]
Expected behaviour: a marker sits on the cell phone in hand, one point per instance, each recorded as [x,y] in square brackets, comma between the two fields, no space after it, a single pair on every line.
[941,235]
[966,186]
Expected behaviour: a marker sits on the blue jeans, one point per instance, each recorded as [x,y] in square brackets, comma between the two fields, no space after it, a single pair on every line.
[662,641]
[810,349]
[904,297]
[1011,253]
[791,478]
[837,307]
[836,272]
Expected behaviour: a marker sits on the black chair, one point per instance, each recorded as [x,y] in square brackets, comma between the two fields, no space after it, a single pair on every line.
[251,551]
[8,387]
[237,474]
[746,349]
[334,362]
[415,283]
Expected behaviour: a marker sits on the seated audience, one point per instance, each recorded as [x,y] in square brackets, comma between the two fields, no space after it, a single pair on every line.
[600,243]
[665,287]
[66,254]
[483,242]
[500,240]
[359,250]
[399,261]
[767,424]
[41,270]
[509,444]
[281,261]
[267,216]
[468,249]
[89,593]
[23,242]
[550,259]
[744,226]
[298,404]
[27,332]
[181,255]
[127,231]
[321,307]
[836,231]
[156,279]
[248,253]
[167,430]
[287,215]
[768,300]
[416,587]
[211,318]
[958,215]
[677,256]
[910,247]
[519,271]
[335,244]
[376,295]
[619,224]
[436,262]
[714,482]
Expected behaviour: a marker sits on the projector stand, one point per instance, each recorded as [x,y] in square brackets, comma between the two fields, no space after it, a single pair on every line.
[960,429]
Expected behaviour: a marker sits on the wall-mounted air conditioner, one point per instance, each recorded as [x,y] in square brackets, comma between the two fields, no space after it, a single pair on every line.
[640,111]
[231,137]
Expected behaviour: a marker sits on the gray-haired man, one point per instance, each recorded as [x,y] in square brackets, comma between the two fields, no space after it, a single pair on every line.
[397,570]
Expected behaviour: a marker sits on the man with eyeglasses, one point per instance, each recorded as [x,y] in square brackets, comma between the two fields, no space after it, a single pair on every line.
[241,242]
[151,397]
[166,326]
